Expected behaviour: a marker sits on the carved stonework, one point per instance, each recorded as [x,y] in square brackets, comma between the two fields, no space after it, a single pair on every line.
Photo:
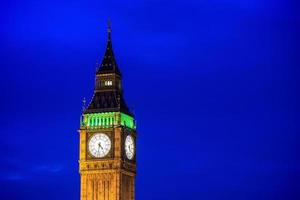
[129,166]
[99,165]
[108,178]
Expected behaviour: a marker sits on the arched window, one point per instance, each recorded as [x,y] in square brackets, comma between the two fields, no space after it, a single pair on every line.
[108,83]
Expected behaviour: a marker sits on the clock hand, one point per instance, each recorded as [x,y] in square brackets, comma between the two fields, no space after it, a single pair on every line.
[131,149]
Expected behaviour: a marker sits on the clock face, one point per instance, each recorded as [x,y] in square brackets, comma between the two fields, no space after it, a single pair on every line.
[129,147]
[99,145]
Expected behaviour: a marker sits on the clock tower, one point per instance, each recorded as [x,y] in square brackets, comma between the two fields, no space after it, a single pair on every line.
[107,157]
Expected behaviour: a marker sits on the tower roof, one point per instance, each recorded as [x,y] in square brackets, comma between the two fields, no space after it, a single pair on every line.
[108,101]
[108,93]
[109,64]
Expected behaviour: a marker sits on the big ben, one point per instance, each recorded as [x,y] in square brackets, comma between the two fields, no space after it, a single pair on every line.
[107,157]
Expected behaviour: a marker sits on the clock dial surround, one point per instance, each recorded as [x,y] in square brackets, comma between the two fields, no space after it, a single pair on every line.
[129,147]
[99,145]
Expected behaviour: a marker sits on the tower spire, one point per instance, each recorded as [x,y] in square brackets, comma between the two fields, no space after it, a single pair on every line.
[108,94]
[109,30]
[109,26]
[108,63]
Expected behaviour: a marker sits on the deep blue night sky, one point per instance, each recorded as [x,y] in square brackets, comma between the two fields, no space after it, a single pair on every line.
[214,85]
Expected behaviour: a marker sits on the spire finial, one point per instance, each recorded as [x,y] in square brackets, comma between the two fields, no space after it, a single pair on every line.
[108,25]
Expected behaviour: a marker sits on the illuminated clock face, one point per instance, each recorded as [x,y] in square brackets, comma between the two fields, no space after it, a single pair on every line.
[99,145]
[129,147]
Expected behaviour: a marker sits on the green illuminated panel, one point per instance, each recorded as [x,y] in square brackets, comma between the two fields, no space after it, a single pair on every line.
[108,119]
[127,120]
